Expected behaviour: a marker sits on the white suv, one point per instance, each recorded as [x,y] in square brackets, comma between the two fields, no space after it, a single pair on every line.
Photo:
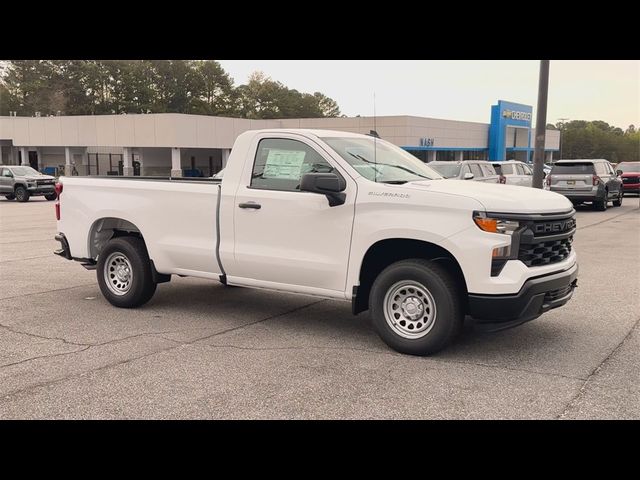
[515,172]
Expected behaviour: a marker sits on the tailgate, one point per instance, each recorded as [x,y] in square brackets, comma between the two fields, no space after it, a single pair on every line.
[572,182]
[572,176]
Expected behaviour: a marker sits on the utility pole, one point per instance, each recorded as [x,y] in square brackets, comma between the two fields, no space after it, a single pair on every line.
[541,124]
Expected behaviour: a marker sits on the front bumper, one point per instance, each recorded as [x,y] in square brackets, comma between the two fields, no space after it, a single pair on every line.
[631,187]
[41,190]
[537,295]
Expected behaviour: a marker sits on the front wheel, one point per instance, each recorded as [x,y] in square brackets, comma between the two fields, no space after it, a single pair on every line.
[124,272]
[416,307]
[22,194]
[51,196]
[618,201]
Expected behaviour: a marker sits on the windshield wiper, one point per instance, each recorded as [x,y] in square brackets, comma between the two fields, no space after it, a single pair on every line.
[395,182]
[388,165]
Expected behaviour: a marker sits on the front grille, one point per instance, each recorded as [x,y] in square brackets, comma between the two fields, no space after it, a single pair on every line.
[631,179]
[44,182]
[556,294]
[545,253]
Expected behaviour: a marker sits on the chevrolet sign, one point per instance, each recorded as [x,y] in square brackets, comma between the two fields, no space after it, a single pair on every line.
[516,115]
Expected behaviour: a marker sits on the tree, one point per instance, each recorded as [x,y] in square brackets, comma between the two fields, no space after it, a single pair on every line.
[598,139]
[93,87]
[213,93]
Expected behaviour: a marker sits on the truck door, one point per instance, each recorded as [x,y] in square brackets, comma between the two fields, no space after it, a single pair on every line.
[286,236]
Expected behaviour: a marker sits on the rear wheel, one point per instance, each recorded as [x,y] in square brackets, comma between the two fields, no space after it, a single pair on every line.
[618,201]
[51,196]
[124,272]
[22,194]
[10,197]
[416,307]
[601,205]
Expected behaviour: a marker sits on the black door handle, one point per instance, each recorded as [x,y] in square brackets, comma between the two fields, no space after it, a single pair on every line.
[254,205]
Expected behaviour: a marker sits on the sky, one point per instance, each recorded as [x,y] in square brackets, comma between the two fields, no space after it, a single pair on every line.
[606,90]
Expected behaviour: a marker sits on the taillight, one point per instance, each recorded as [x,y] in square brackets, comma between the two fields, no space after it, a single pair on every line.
[596,180]
[503,179]
[58,189]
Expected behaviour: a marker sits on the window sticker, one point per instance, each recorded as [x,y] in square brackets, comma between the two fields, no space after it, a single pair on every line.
[284,164]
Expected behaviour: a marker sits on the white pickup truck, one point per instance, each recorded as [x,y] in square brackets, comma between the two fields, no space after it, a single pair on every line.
[337,215]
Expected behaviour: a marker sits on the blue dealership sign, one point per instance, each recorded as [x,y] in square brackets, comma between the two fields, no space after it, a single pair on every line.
[506,114]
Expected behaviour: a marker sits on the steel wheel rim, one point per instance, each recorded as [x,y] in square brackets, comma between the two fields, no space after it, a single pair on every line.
[410,309]
[19,193]
[118,273]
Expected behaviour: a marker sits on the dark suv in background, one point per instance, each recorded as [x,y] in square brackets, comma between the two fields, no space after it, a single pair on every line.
[586,181]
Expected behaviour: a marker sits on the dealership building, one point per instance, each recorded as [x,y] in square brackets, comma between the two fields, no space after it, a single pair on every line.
[193,145]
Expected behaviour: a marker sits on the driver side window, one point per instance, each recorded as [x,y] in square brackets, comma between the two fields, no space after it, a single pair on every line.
[281,162]
[6,173]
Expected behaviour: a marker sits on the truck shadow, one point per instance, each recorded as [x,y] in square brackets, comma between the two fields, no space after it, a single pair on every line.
[281,320]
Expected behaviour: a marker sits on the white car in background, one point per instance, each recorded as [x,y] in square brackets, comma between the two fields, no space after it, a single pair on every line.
[515,172]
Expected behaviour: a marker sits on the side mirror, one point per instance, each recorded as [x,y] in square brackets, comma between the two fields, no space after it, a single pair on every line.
[468,176]
[328,184]
[619,173]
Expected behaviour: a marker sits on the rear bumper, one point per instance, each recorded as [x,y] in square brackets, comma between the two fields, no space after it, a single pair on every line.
[537,295]
[64,251]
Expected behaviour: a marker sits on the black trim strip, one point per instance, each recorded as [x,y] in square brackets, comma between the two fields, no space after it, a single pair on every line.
[531,216]
[224,274]
[213,181]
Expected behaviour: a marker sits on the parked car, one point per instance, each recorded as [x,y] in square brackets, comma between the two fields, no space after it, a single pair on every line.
[630,173]
[586,181]
[21,182]
[331,214]
[514,172]
[477,170]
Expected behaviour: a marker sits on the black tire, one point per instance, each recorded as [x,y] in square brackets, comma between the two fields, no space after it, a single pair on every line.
[601,205]
[445,292]
[22,194]
[618,201]
[51,196]
[141,287]
[10,197]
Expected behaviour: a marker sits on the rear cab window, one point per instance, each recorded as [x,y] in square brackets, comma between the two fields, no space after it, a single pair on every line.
[584,168]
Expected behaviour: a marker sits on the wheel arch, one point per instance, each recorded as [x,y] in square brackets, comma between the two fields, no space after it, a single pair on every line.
[106,228]
[384,252]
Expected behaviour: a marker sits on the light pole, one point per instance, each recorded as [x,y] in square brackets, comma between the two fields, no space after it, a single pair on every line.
[541,124]
[562,120]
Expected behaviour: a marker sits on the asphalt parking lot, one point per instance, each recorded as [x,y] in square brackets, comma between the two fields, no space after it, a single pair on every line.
[202,350]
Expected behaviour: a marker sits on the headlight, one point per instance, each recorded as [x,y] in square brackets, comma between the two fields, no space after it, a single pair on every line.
[31,185]
[495,225]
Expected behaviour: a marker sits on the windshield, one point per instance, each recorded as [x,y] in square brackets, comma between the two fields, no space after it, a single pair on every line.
[22,171]
[628,167]
[385,163]
[447,170]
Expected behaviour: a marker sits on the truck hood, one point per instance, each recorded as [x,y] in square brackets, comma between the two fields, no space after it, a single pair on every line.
[33,178]
[497,197]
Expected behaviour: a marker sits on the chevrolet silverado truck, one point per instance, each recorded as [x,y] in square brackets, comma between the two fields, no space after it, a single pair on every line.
[336,215]
[22,182]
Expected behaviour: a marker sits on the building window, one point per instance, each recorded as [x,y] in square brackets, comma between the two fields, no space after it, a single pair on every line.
[421,154]
[445,155]
[474,155]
